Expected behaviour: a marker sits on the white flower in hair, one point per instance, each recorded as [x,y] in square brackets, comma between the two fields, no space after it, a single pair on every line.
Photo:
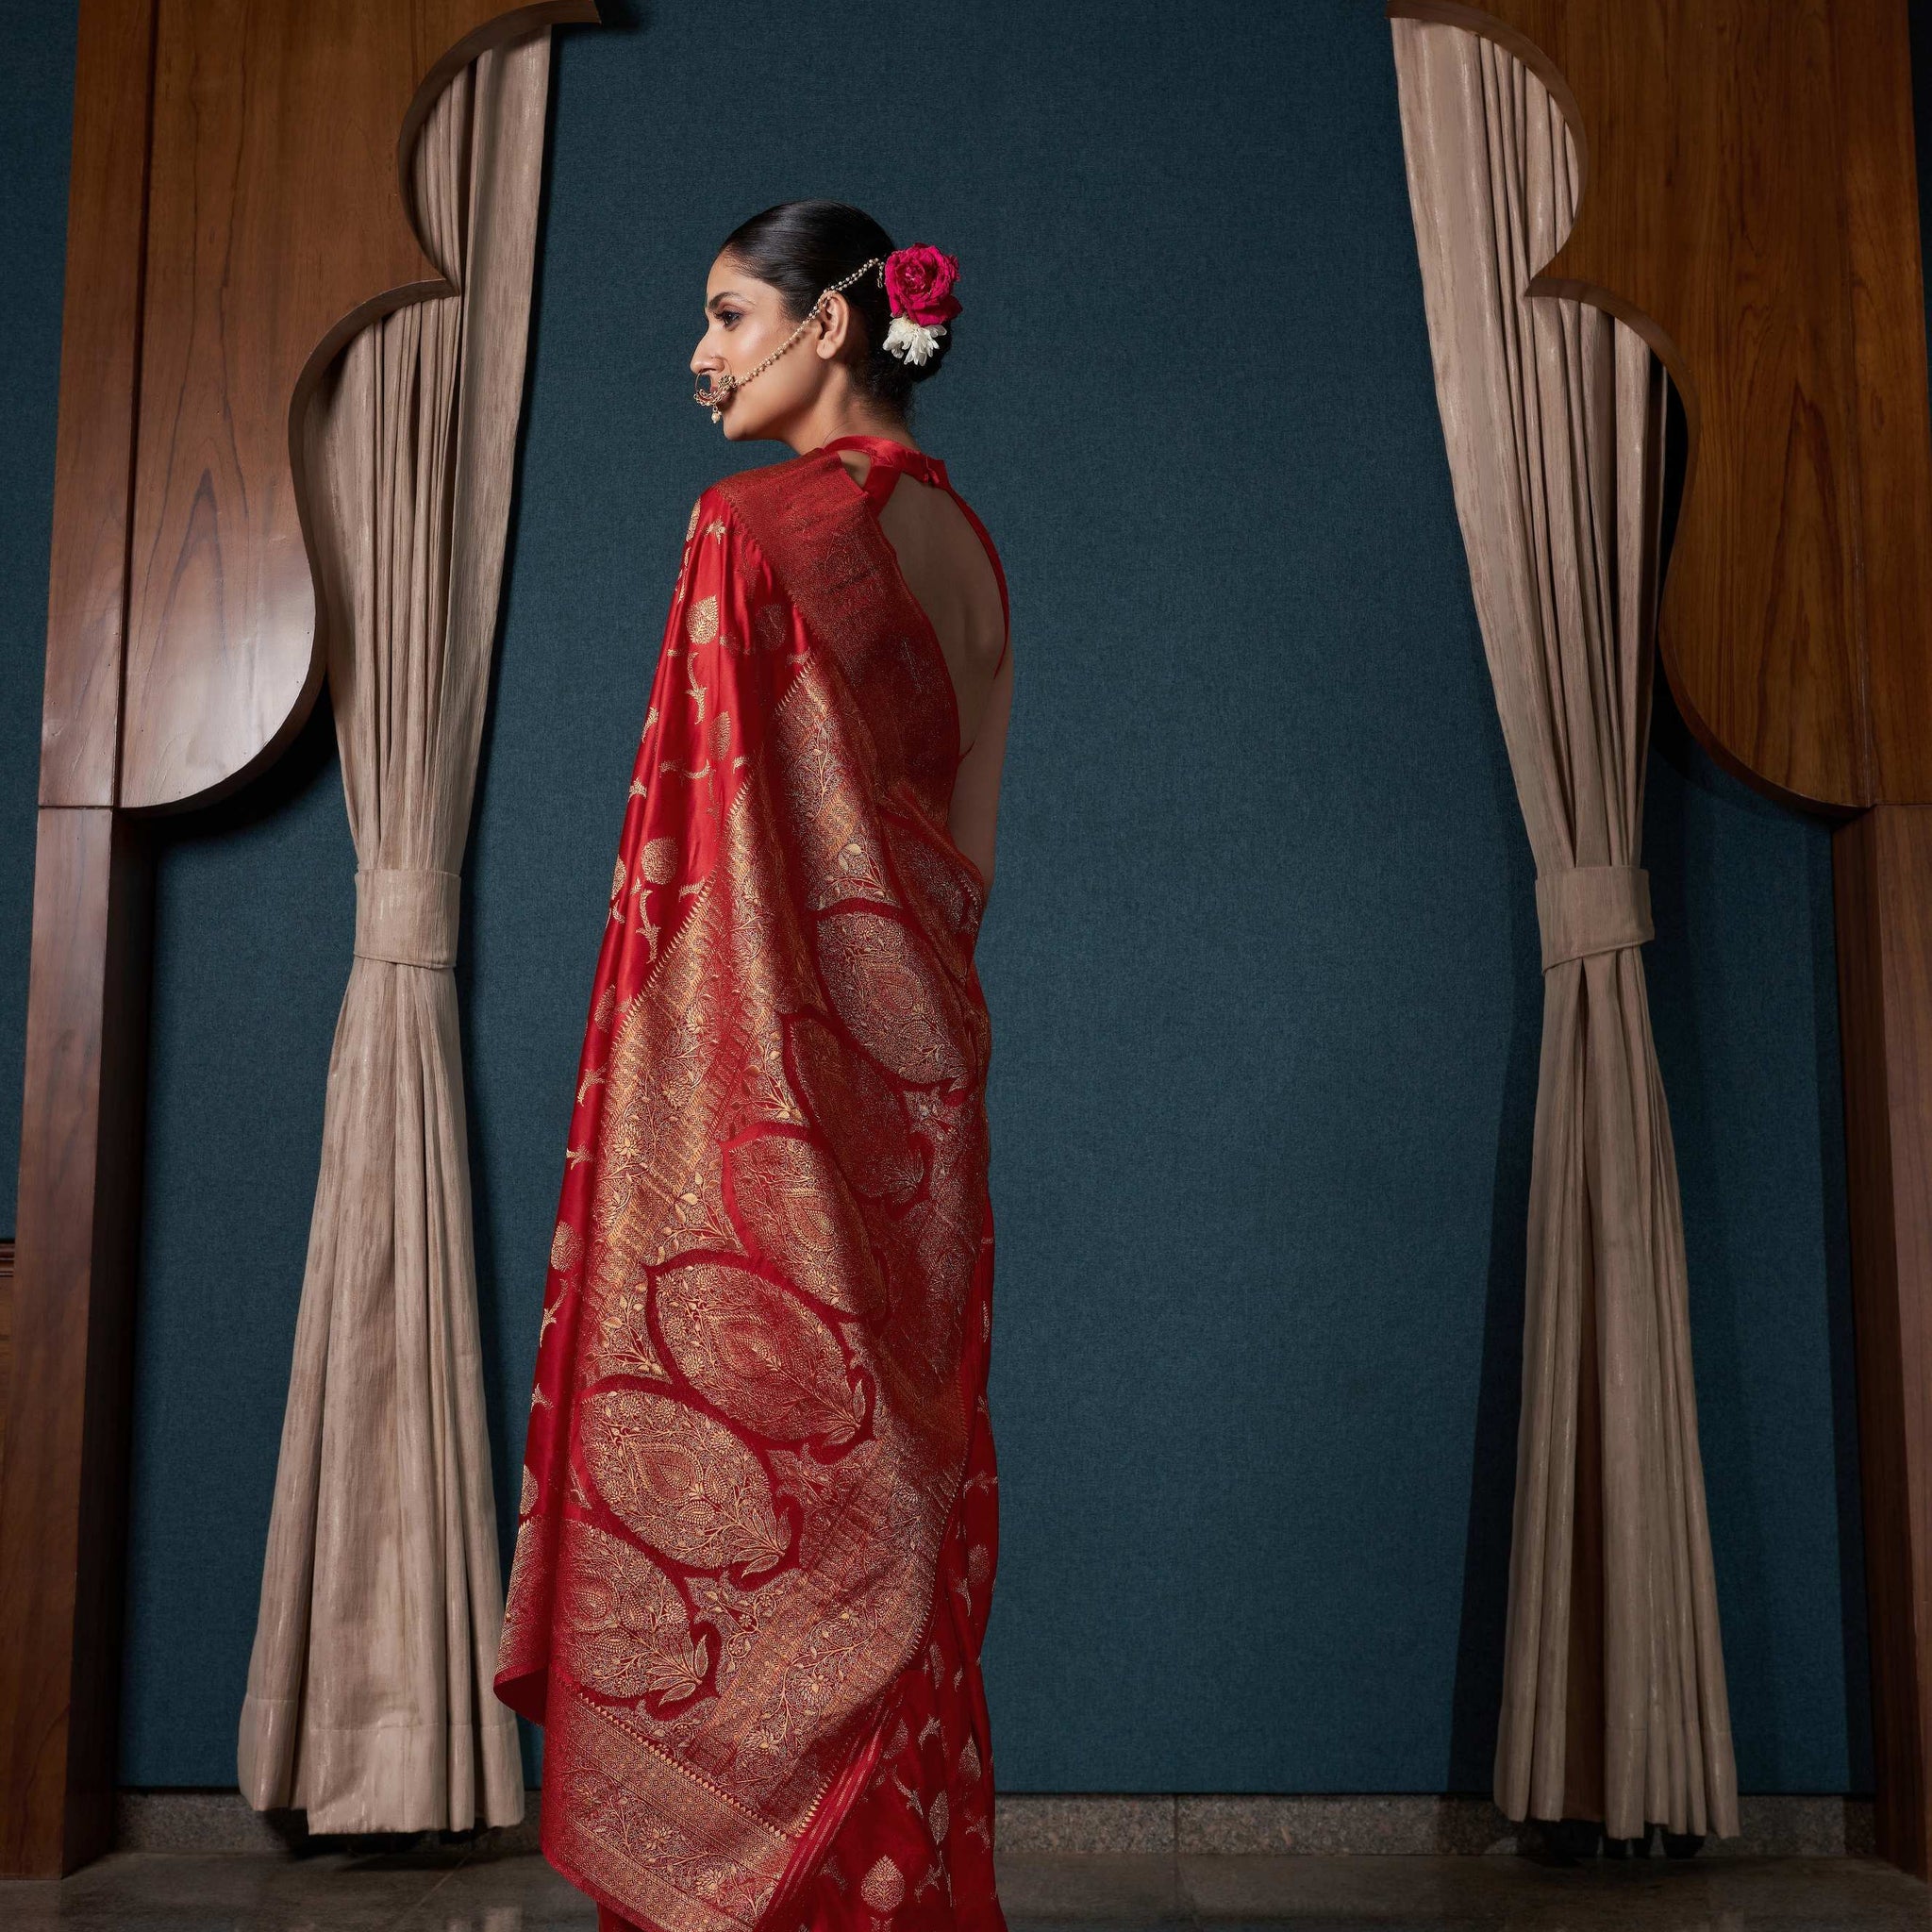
[913,341]
[919,290]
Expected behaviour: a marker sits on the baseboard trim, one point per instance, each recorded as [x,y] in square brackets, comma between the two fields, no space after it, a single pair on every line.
[1190,1824]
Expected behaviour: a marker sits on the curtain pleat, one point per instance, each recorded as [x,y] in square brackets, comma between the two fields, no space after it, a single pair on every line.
[369,1699]
[1613,1693]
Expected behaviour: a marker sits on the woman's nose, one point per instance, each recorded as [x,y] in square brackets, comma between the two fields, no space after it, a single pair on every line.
[703,358]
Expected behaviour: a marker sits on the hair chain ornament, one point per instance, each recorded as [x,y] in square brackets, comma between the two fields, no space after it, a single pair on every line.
[719,389]
[918,282]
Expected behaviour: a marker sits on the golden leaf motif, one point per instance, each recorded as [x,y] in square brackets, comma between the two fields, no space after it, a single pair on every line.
[566,1250]
[758,1352]
[939,1819]
[629,1634]
[622,1344]
[978,1565]
[606,1007]
[701,621]
[690,529]
[720,735]
[789,1198]
[680,1480]
[661,861]
[969,1763]
[892,999]
[884,1887]
[528,1501]
[617,878]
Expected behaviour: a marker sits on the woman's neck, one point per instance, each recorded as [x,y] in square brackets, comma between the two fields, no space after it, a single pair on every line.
[846,418]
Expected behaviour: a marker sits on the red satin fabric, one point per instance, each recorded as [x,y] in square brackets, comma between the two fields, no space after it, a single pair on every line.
[759,1524]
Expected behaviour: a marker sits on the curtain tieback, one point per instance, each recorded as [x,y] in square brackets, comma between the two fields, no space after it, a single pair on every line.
[407,917]
[1592,909]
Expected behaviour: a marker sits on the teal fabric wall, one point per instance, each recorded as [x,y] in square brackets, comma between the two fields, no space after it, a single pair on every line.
[1261,955]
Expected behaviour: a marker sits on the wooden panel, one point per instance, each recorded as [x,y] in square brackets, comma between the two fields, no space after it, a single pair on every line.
[1893,448]
[278,227]
[93,461]
[63,1476]
[6,1335]
[273,226]
[1882,865]
[1750,204]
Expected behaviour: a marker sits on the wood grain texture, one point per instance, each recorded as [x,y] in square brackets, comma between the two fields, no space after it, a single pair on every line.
[1882,870]
[278,227]
[63,1476]
[235,213]
[6,1335]
[100,344]
[1750,206]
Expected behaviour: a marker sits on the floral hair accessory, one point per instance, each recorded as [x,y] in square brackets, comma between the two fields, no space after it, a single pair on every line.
[919,290]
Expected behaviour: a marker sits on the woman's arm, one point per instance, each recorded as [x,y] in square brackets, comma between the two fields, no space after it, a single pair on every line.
[974,815]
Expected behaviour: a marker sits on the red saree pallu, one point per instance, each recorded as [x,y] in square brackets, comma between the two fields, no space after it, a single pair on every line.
[758,1524]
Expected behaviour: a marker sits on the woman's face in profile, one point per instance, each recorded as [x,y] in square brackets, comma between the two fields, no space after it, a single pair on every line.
[747,320]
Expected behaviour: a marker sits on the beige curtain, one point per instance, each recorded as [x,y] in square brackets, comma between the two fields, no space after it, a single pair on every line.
[369,1692]
[1613,1693]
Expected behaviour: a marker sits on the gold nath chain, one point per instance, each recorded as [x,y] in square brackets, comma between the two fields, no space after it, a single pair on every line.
[721,386]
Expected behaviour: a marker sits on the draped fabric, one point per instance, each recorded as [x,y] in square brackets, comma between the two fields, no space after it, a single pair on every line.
[369,1691]
[1613,1697]
[759,1515]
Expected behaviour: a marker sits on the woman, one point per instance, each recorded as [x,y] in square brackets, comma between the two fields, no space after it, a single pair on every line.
[758,1508]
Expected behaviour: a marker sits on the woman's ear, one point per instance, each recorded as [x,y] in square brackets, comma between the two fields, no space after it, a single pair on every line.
[835,324]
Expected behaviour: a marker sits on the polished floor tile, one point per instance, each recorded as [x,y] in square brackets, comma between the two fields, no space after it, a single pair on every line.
[1640,1894]
[452,1891]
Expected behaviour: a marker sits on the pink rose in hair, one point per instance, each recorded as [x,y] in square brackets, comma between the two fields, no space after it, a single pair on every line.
[919,284]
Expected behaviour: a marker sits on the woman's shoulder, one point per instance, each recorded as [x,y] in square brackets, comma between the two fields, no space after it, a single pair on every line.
[766,486]
[719,505]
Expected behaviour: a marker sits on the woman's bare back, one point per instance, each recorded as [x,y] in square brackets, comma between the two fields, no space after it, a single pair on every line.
[947,570]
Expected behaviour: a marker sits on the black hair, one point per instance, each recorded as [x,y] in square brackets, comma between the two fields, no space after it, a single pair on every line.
[801,248]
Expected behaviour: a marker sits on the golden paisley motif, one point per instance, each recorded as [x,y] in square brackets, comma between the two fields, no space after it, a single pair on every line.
[701,621]
[792,1204]
[628,1633]
[680,1480]
[895,1000]
[566,1249]
[690,529]
[528,1501]
[856,1109]
[758,1352]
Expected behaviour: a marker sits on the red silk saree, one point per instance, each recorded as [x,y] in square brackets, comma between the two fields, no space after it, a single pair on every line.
[758,1522]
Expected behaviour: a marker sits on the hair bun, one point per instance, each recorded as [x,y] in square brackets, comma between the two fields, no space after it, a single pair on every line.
[803,247]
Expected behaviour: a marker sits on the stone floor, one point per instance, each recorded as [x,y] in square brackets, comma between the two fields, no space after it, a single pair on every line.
[449,1892]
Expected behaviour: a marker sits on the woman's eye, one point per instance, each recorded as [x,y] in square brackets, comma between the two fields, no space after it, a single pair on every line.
[728,317]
